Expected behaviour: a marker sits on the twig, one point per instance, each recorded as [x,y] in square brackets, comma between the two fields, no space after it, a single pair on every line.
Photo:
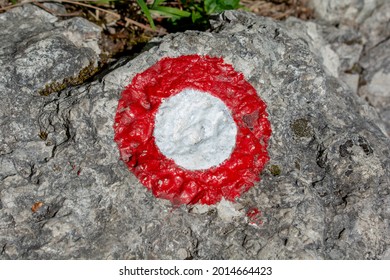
[79,3]
[39,1]
[283,15]
[54,12]
[111,13]
[11,6]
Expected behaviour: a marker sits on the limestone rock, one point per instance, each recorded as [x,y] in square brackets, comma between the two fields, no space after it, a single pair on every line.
[376,28]
[370,17]
[41,54]
[324,195]
[338,48]
[358,31]
[376,80]
[347,12]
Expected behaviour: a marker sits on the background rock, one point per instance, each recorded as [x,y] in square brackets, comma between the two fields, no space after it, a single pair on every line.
[375,82]
[370,17]
[324,195]
[338,48]
[359,32]
[376,27]
[347,12]
[375,62]
[41,54]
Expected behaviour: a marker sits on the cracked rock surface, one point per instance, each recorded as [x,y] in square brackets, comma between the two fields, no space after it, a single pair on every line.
[359,32]
[38,51]
[325,194]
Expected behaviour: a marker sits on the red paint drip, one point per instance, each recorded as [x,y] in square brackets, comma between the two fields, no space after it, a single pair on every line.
[254,216]
[134,125]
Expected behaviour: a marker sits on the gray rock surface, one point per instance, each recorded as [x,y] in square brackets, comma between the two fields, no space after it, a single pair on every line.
[348,12]
[359,32]
[41,54]
[375,62]
[338,48]
[325,193]
[370,18]
[376,28]
[375,82]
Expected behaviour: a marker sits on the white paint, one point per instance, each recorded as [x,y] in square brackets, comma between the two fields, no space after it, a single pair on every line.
[195,129]
[227,210]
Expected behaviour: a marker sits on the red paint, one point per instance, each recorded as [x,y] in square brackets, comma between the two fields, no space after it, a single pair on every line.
[134,124]
[254,216]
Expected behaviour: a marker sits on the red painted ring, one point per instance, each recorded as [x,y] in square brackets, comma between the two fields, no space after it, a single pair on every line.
[134,125]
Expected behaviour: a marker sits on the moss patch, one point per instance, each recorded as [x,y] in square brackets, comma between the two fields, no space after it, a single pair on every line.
[275,170]
[301,128]
[83,75]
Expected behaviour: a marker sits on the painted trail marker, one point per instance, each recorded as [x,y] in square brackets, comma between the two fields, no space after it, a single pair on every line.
[193,130]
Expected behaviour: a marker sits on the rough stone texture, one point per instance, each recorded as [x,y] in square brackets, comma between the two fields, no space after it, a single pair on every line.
[324,195]
[338,48]
[40,52]
[349,12]
[370,17]
[375,81]
[375,62]
[359,32]
[376,28]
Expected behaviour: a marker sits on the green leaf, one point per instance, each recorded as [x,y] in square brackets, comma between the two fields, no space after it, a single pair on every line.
[195,15]
[157,3]
[218,6]
[172,11]
[146,11]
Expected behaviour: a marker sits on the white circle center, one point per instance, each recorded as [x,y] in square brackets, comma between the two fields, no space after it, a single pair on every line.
[195,129]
